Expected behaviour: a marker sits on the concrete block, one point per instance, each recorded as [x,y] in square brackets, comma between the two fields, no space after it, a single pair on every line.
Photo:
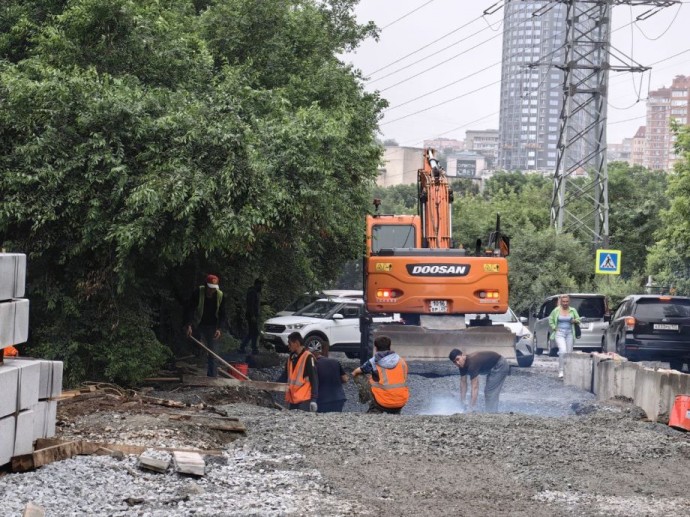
[609,376]
[14,322]
[45,414]
[6,439]
[28,380]
[24,436]
[12,275]
[597,359]
[50,381]
[672,383]
[656,390]
[8,389]
[647,392]
[578,370]
[626,374]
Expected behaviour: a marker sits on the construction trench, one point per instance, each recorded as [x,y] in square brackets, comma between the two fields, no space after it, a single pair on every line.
[553,449]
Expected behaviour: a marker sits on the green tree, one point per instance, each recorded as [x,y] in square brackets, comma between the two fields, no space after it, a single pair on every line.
[636,197]
[145,143]
[669,257]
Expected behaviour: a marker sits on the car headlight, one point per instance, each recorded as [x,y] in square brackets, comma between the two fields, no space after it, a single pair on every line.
[526,336]
[295,326]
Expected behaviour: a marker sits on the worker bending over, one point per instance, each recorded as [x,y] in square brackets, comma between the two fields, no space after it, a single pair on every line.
[491,364]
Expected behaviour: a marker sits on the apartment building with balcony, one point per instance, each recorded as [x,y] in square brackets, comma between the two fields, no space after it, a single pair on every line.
[664,105]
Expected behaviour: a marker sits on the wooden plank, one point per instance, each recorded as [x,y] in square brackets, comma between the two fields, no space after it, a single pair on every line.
[218,424]
[193,380]
[163,402]
[92,447]
[189,463]
[45,456]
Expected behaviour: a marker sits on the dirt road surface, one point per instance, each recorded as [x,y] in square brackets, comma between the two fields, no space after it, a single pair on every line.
[552,450]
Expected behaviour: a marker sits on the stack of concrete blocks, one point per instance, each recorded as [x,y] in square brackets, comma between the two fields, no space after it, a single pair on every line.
[28,388]
[610,376]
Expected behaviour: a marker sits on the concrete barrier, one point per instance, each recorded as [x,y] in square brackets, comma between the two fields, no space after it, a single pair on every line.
[12,275]
[14,322]
[23,418]
[50,379]
[656,391]
[625,383]
[577,370]
[615,377]
[597,359]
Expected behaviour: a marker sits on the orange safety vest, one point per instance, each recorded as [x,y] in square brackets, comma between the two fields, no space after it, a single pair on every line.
[391,391]
[299,388]
[10,351]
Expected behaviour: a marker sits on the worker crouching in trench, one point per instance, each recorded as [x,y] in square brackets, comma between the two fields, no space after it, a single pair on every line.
[387,373]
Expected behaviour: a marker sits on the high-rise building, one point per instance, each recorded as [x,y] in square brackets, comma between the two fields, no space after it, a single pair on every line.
[663,105]
[638,146]
[531,87]
[484,141]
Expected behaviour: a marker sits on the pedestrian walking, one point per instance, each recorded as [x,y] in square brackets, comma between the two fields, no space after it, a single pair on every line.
[562,321]
[388,378]
[253,316]
[300,375]
[331,379]
[206,317]
[491,364]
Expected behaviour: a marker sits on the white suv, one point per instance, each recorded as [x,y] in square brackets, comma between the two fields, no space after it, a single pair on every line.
[333,322]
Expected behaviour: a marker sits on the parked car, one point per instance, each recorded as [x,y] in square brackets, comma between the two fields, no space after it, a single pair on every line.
[594,315]
[333,322]
[523,337]
[307,298]
[651,327]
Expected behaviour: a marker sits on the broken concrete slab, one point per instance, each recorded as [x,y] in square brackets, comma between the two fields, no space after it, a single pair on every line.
[189,463]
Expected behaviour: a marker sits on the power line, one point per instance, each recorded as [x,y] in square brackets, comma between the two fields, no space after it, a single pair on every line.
[427,57]
[423,47]
[445,60]
[406,15]
[491,84]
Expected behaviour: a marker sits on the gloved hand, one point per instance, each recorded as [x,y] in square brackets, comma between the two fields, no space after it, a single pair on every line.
[313,407]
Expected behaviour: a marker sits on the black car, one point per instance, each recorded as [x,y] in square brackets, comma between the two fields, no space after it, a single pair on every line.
[648,327]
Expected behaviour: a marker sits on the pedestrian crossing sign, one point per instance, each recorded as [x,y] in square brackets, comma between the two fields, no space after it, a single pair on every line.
[608,262]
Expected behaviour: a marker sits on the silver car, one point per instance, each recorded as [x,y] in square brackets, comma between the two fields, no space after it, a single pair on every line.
[594,315]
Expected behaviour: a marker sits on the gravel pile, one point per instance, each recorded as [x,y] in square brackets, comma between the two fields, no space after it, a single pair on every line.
[537,458]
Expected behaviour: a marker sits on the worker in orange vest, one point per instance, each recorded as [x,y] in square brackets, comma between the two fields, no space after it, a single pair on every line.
[388,378]
[301,376]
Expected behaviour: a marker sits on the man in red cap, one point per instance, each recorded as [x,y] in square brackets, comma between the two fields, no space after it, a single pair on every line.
[206,315]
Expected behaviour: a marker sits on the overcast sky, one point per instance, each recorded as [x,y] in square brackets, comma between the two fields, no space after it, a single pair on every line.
[659,38]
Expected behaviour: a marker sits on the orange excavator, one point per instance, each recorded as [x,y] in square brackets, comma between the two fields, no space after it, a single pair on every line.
[413,268]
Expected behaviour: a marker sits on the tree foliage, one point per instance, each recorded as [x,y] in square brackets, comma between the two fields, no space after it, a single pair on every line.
[145,143]
[669,258]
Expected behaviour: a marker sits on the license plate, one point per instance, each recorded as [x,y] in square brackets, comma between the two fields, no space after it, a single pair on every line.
[665,326]
[438,306]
